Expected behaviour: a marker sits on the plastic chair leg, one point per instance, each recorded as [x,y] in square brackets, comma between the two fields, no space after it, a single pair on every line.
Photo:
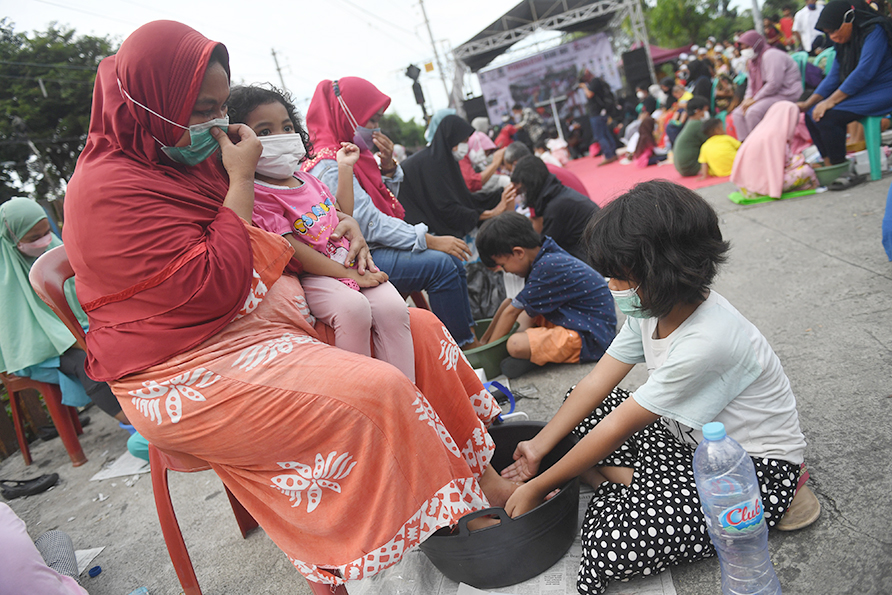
[61,415]
[75,421]
[872,138]
[245,521]
[15,406]
[170,528]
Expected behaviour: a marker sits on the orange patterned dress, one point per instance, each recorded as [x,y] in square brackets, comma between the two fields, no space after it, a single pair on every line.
[341,459]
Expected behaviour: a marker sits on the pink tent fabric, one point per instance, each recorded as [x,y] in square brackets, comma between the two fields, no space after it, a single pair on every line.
[759,165]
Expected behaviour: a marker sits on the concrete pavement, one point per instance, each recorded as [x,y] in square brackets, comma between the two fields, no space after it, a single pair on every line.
[809,272]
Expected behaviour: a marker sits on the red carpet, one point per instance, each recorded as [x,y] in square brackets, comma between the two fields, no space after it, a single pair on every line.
[606,183]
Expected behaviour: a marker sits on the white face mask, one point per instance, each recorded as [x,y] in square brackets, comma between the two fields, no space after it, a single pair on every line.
[37,247]
[281,155]
[747,53]
[460,151]
[641,94]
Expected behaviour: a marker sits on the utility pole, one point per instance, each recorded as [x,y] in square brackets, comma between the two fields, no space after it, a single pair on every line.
[279,70]
[436,54]
[757,16]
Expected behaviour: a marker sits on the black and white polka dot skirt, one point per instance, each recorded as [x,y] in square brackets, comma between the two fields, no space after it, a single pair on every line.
[657,522]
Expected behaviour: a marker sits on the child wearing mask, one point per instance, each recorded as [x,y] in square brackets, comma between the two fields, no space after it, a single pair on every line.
[300,208]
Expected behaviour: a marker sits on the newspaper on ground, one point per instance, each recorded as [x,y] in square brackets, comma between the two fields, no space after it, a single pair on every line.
[416,575]
[124,465]
[85,557]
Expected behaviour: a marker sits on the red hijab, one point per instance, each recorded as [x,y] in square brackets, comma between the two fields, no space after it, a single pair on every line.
[160,265]
[329,126]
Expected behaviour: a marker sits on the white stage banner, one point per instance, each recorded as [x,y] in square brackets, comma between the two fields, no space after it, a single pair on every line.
[552,73]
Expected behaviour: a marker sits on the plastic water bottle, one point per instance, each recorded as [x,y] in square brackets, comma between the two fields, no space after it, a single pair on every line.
[731,501]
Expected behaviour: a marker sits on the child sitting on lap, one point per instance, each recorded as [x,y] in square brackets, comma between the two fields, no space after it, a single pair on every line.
[718,152]
[301,209]
[565,310]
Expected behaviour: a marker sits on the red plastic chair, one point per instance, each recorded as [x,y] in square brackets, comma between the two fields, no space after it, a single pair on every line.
[48,275]
[64,417]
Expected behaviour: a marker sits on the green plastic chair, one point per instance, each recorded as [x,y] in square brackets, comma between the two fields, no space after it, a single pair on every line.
[830,55]
[873,140]
[715,84]
[801,59]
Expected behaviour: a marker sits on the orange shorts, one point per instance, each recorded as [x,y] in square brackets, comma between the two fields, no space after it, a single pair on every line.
[550,343]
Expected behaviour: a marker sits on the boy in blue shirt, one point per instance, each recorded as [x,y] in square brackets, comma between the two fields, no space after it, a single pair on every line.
[565,311]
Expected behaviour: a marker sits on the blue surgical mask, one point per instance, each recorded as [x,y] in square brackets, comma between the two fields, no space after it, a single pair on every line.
[364,138]
[202,144]
[629,303]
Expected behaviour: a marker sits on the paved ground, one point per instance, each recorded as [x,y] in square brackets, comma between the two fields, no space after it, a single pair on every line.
[809,272]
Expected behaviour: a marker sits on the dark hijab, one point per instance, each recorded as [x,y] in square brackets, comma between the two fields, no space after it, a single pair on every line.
[434,191]
[865,19]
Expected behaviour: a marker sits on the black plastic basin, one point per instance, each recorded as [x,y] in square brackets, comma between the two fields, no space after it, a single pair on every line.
[516,549]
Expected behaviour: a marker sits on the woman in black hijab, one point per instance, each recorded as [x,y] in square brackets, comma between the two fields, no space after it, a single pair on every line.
[433,190]
[557,211]
[860,82]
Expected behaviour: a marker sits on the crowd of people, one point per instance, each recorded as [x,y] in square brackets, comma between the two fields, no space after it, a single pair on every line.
[259,228]
[833,62]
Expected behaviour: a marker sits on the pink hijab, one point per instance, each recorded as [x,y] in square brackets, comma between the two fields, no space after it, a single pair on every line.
[761,159]
[755,40]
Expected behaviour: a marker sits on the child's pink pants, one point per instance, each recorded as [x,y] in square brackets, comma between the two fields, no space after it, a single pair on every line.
[354,315]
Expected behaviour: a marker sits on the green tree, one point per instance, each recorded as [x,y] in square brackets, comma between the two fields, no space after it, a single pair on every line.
[674,23]
[408,133]
[45,99]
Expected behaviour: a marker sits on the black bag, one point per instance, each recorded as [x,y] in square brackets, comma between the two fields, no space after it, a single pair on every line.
[486,290]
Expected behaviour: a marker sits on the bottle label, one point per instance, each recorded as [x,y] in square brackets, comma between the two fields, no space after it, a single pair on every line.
[742,517]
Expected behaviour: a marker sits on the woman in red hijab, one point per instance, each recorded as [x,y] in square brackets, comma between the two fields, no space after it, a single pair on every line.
[349,109]
[212,352]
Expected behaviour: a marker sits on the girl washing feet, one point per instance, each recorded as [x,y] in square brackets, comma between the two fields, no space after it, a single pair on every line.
[661,246]
[300,208]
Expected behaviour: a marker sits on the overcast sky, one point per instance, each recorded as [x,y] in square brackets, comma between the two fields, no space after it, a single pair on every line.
[314,39]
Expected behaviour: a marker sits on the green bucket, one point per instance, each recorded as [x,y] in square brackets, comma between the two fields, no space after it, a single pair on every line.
[490,355]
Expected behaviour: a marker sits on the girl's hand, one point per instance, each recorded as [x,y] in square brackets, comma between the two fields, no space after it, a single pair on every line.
[359,249]
[368,279]
[240,150]
[385,149]
[526,463]
[746,104]
[348,154]
[524,499]
[803,106]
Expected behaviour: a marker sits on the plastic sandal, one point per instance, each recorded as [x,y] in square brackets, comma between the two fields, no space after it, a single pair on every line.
[847,181]
[13,488]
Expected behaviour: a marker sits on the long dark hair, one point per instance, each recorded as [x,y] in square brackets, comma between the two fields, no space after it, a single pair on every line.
[663,236]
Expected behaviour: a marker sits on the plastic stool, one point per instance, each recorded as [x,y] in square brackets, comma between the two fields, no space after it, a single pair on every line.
[872,138]
[64,417]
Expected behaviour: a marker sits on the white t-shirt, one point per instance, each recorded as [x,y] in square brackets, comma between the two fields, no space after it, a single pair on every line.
[716,366]
[804,24]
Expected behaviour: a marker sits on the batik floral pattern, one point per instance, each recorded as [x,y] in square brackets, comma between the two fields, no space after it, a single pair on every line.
[427,414]
[264,353]
[148,398]
[255,296]
[456,499]
[326,473]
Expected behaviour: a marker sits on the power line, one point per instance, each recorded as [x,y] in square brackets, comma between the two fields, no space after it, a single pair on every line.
[94,14]
[46,80]
[59,66]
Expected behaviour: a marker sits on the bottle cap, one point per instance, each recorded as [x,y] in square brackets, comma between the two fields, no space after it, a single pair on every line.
[94,572]
[714,430]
